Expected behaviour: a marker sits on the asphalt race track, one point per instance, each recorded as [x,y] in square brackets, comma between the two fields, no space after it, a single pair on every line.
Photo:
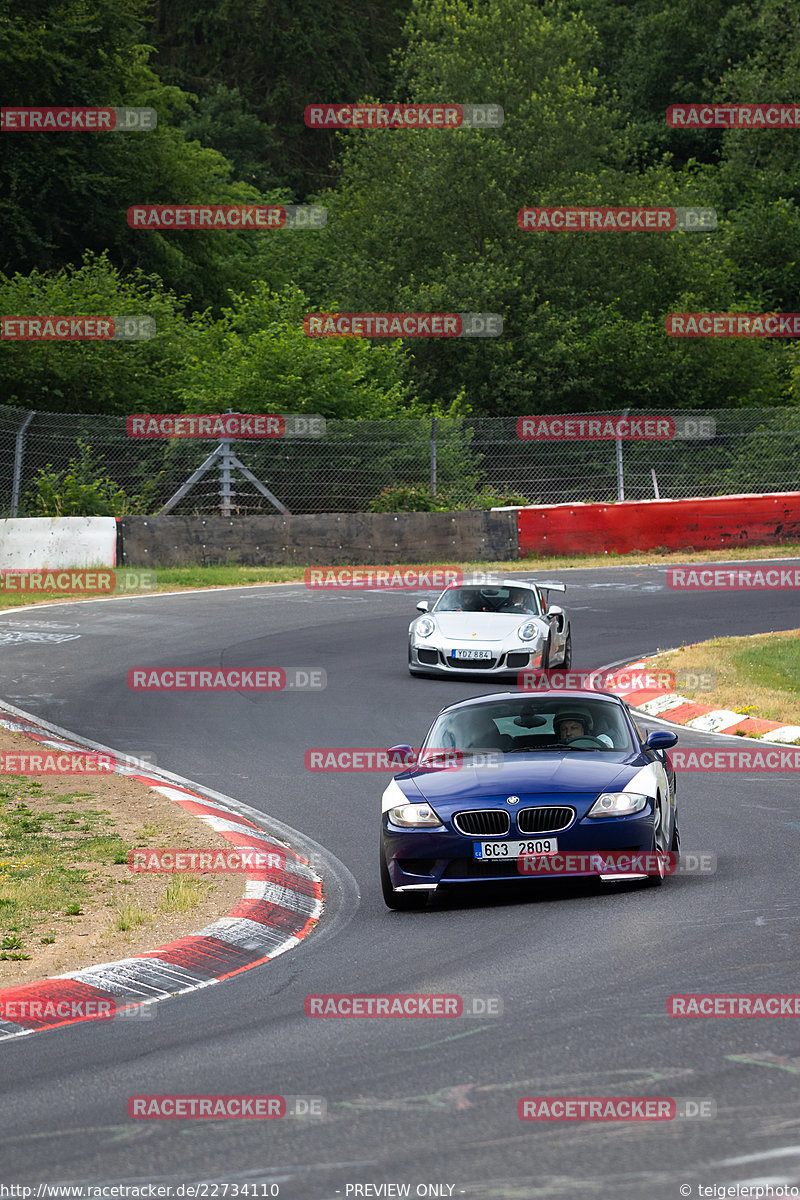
[583,977]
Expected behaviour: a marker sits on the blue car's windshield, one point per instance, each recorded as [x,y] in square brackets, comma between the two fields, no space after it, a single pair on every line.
[527,724]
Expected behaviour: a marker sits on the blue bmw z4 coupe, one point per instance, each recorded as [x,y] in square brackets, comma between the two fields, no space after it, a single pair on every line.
[519,785]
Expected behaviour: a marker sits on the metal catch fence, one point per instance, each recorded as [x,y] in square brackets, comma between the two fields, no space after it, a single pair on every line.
[50,462]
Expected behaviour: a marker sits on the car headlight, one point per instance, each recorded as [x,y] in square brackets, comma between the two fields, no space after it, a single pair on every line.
[424,627]
[413,816]
[528,631]
[617,804]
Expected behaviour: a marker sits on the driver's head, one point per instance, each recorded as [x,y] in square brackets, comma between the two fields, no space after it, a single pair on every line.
[569,726]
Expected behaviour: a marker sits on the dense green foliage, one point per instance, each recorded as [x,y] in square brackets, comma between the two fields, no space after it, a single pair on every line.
[418,221]
[82,490]
[411,497]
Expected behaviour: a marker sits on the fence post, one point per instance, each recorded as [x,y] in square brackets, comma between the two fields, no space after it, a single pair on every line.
[225,491]
[620,475]
[18,453]
[434,424]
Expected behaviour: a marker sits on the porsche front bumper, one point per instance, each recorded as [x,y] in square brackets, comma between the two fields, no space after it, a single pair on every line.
[505,660]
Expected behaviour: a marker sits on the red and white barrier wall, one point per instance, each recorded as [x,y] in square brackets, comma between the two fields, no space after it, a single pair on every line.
[706,523]
[710,523]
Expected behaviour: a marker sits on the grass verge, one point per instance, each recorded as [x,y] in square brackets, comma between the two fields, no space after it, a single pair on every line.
[173,579]
[757,676]
[67,896]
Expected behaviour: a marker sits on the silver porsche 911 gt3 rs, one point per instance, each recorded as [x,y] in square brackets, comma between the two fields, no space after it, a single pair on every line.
[498,629]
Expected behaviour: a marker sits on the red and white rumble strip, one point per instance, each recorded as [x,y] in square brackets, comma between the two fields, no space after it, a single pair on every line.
[654,700]
[280,906]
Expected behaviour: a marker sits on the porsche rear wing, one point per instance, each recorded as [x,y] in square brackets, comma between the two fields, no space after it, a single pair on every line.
[548,585]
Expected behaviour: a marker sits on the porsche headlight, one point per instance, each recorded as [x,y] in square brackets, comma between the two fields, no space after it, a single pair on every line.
[528,631]
[413,816]
[617,804]
[424,627]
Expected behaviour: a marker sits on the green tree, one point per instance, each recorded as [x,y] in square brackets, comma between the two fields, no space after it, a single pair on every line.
[81,490]
[281,55]
[256,358]
[427,221]
[64,193]
[654,54]
[757,182]
[223,120]
[94,376]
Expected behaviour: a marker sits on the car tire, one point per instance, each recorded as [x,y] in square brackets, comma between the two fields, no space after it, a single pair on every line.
[546,654]
[567,660]
[675,844]
[399,901]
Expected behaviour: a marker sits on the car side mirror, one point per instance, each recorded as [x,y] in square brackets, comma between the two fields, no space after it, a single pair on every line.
[555,610]
[661,739]
[423,606]
[405,756]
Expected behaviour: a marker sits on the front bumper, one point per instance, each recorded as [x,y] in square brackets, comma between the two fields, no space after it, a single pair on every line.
[506,660]
[423,860]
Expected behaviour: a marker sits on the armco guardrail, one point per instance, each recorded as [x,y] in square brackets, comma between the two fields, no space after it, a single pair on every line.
[36,543]
[695,524]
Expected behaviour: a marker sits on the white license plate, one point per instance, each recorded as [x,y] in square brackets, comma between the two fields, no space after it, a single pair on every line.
[508,850]
[472,654]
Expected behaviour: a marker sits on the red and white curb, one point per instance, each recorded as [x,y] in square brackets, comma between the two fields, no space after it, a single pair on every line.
[280,906]
[653,701]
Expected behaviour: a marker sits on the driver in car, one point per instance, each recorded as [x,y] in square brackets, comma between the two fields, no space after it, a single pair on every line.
[569,726]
